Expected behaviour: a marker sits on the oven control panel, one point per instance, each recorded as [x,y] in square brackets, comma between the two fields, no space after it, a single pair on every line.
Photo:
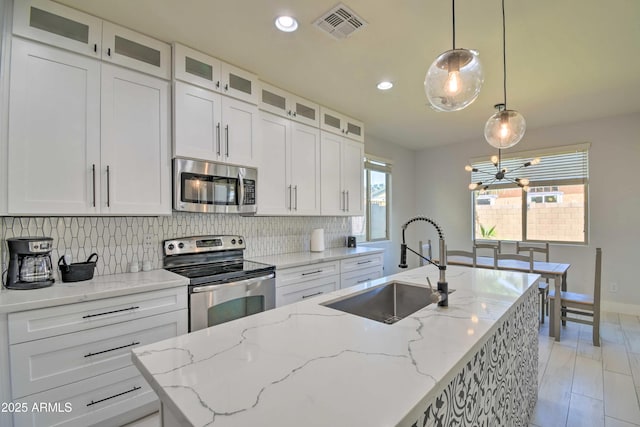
[199,244]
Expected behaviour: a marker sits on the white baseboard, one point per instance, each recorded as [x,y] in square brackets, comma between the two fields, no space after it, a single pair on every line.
[619,307]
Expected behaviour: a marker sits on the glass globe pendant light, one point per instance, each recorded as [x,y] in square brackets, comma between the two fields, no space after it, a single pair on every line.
[506,127]
[454,79]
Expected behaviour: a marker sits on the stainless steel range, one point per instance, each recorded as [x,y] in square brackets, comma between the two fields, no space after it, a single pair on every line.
[223,286]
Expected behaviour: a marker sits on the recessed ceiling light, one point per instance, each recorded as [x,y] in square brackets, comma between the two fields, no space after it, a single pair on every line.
[286,23]
[385,85]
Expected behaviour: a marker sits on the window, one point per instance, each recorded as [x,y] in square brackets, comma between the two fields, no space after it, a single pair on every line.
[377,188]
[555,208]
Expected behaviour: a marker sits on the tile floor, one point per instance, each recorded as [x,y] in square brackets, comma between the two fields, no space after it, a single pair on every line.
[579,385]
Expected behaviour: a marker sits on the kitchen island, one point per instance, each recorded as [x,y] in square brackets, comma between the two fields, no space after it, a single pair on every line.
[474,362]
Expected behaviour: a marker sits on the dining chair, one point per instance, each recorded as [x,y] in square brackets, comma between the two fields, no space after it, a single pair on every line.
[425,250]
[543,286]
[464,254]
[584,305]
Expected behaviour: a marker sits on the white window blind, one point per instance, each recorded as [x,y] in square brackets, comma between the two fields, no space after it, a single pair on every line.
[557,164]
[377,164]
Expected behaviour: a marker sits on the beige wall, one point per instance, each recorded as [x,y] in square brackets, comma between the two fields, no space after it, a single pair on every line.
[614,199]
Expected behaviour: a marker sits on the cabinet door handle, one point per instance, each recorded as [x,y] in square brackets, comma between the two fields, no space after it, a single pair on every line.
[347,198]
[112,349]
[295,188]
[218,137]
[364,280]
[115,395]
[95,47]
[108,51]
[311,272]
[312,295]
[88,316]
[365,262]
[108,187]
[226,132]
[226,87]
[93,171]
[290,203]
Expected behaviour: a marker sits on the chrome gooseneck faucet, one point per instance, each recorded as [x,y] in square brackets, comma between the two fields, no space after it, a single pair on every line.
[443,286]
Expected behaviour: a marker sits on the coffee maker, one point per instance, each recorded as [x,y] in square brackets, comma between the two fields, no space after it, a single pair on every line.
[29,263]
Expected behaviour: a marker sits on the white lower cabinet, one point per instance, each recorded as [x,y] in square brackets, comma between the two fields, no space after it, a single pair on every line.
[77,358]
[360,276]
[360,269]
[93,401]
[303,290]
[299,283]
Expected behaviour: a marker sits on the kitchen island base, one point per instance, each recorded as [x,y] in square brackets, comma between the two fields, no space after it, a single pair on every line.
[498,385]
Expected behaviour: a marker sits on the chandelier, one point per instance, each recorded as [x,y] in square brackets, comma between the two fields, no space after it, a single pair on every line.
[500,174]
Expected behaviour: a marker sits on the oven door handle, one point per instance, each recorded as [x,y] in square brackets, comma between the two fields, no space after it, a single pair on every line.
[209,288]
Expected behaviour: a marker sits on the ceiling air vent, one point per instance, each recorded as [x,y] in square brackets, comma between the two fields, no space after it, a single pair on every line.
[340,22]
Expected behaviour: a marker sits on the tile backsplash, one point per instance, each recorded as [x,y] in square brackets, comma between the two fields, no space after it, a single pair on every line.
[119,241]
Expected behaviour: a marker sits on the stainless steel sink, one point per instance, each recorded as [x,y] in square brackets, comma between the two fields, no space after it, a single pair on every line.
[386,303]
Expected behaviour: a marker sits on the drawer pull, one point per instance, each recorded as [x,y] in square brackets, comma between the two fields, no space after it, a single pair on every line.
[311,272]
[110,312]
[112,349]
[364,280]
[115,395]
[365,262]
[312,295]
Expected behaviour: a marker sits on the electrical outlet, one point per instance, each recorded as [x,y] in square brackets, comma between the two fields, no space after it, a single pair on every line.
[147,241]
[613,287]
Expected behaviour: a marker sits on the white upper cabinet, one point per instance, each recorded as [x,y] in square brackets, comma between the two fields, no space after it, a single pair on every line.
[212,127]
[133,50]
[342,171]
[305,169]
[197,122]
[288,105]
[202,70]
[85,137]
[274,191]
[290,168]
[70,29]
[58,25]
[54,131]
[239,132]
[135,153]
[340,124]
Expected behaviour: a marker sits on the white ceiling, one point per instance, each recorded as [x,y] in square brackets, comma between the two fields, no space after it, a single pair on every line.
[567,60]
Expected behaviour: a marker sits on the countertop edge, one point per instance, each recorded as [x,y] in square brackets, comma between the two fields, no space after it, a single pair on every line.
[298,259]
[98,288]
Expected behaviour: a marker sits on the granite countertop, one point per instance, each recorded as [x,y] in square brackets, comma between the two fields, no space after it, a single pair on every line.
[296,259]
[307,364]
[99,287]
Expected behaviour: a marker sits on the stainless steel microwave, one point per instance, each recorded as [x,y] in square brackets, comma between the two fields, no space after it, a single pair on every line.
[201,186]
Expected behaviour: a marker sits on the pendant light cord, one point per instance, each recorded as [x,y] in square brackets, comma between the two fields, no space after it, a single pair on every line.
[504,57]
[453,14]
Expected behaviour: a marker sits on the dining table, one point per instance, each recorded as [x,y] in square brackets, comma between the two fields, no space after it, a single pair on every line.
[555,271]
